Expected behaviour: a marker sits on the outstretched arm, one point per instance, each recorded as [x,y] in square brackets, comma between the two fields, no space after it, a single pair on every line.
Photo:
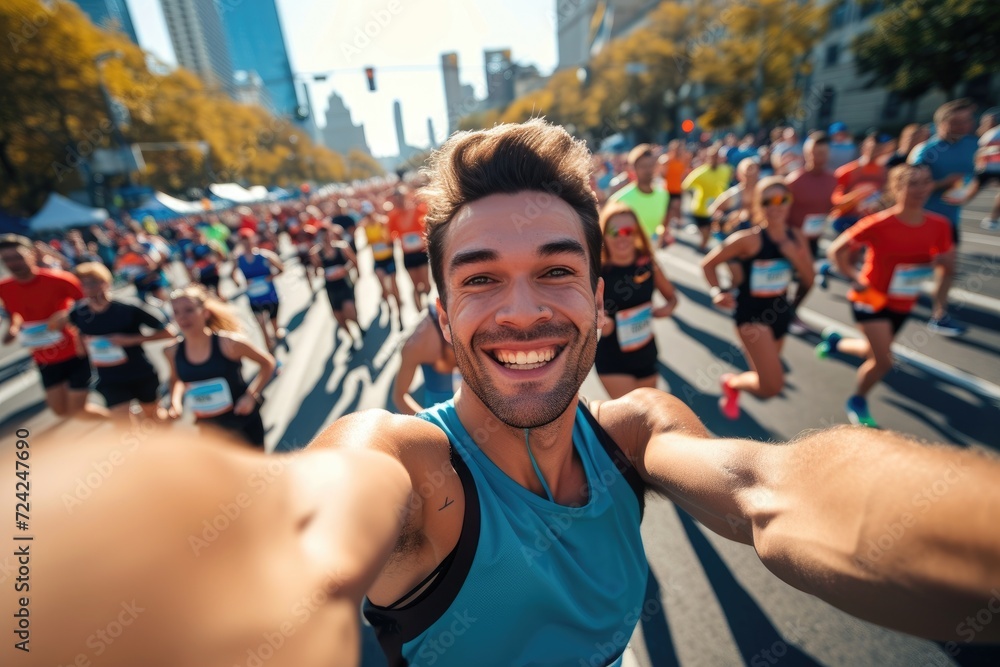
[897,532]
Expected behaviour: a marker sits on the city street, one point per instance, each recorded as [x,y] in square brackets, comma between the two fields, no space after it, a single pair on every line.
[711,602]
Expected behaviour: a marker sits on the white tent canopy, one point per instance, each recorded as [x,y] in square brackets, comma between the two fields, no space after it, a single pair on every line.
[232,192]
[62,213]
[178,205]
[259,193]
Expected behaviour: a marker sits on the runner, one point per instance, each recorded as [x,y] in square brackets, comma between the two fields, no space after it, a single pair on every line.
[859,186]
[732,210]
[479,561]
[304,238]
[950,154]
[405,222]
[842,146]
[626,352]
[706,183]
[111,332]
[380,241]
[427,348]
[909,137]
[335,258]
[769,254]
[988,164]
[259,269]
[203,260]
[812,189]
[139,263]
[37,302]
[206,367]
[647,201]
[904,243]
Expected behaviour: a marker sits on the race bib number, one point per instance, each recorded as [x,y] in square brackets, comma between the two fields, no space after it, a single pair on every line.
[813,225]
[907,279]
[381,249]
[208,398]
[36,334]
[338,272]
[412,242]
[104,353]
[634,327]
[258,287]
[770,277]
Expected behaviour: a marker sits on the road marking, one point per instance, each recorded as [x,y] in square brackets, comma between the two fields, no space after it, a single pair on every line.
[938,369]
[980,238]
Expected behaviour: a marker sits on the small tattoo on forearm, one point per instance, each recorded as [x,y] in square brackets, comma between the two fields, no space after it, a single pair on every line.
[447,501]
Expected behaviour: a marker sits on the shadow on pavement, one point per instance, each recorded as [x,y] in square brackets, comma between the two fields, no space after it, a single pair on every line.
[656,630]
[757,640]
[706,407]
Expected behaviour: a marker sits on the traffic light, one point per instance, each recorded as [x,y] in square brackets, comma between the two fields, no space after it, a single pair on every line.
[370,73]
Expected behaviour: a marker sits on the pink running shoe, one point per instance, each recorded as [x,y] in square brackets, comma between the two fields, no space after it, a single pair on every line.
[729,404]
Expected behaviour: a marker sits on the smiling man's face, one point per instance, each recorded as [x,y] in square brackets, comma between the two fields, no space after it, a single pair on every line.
[522,314]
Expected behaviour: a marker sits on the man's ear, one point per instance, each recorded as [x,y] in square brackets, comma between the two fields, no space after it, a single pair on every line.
[443,321]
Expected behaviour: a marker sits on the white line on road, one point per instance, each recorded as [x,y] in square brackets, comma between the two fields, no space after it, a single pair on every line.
[980,238]
[938,369]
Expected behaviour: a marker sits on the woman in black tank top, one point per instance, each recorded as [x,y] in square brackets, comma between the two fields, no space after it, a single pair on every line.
[626,352]
[335,259]
[769,255]
[206,367]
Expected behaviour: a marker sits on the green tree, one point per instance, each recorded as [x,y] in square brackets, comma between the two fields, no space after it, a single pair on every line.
[915,46]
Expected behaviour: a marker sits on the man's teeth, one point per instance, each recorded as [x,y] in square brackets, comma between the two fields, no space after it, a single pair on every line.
[534,358]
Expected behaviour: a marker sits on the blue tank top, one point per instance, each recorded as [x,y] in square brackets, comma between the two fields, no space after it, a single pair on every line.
[438,387]
[256,269]
[530,582]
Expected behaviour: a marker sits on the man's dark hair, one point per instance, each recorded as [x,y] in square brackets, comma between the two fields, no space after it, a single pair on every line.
[14,241]
[532,157]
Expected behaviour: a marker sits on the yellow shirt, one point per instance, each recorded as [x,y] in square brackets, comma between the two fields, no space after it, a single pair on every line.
[379,240]
[706,184]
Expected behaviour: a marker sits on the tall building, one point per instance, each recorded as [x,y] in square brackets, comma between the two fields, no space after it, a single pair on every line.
[111,14]
[579,22]
[250,89]
[256,44]
[430,133]
[452,89]
[199,41]
[499,78]
[397,113]
[340,133]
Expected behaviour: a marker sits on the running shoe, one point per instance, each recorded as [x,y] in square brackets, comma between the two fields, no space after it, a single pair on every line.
[946,326]
[729,404]
[857,412]
[828,345]
[824,275]
[990,224]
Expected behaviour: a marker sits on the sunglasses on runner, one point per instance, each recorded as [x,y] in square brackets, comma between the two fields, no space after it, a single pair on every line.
[620,231]
[778,200]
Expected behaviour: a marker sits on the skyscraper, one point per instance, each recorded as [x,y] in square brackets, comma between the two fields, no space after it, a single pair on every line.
[397,112]
[499,78]
[452,89]
[199,41]
[256,44]
[340,133]
[110,13]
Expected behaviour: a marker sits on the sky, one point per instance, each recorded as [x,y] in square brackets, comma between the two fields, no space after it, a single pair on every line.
[407,39]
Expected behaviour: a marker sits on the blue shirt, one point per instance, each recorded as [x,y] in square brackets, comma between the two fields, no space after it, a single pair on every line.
[531,582]
[944,157]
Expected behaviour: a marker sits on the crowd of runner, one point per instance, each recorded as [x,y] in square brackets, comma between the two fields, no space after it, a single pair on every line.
[773,219]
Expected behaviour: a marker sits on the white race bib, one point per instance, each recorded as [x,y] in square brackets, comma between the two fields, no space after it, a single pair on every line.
[103,353]
[907,280]
[208,398]
[634,327]
[380,248]
[336,272]
[412,242]
[36,334]
[812,225]
[258,287]
[770,277]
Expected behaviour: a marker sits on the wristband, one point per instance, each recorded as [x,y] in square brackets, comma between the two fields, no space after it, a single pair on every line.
[716,291]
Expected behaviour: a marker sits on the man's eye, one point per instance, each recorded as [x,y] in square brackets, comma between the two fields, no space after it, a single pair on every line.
[559,272]
[478,280]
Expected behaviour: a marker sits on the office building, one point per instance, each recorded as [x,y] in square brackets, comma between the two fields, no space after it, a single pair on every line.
[111,15]
[341,134]
[199,41]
